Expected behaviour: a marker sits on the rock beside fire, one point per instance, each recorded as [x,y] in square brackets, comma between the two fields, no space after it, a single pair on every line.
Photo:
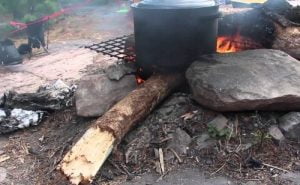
[97,93]
[249,80]
[290,124]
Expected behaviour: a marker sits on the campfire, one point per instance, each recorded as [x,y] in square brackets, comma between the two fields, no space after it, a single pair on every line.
[248,29]
[214,89]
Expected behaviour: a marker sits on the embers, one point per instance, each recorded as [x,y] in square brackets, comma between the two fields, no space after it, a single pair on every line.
[116,47]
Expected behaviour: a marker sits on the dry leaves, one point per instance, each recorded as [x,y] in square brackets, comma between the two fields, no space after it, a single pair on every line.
[188,115]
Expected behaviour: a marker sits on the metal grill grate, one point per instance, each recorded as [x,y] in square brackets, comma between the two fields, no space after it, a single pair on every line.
[116,47]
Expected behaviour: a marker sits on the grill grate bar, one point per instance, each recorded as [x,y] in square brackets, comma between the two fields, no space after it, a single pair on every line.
[115,48]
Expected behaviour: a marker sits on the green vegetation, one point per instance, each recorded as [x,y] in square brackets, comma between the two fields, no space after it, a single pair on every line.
[218,134]
[28,10]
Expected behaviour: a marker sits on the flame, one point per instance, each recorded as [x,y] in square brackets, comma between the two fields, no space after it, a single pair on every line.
[139,80]
[235,43]
[226,44]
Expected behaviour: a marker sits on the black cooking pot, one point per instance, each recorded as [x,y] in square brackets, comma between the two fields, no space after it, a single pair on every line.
[169,36]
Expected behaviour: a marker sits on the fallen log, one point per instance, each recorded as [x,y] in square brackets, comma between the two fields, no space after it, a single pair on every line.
[87,156]
[272,25]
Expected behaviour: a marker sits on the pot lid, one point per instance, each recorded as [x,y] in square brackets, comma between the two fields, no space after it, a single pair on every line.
[175,4]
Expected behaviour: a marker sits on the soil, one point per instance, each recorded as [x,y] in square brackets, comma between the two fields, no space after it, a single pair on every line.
[33,153]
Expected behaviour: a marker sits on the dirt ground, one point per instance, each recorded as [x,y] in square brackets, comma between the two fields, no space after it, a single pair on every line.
[33,154]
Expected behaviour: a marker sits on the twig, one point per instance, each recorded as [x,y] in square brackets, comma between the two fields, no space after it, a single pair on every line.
[160,178]
[278,168]
[218,169]
[252,179]
[236,124]
[117,167]
[176,155]
[161,160]
[229,137]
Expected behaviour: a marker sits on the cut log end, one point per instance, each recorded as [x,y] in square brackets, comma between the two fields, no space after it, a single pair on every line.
[81,163]
[84,160]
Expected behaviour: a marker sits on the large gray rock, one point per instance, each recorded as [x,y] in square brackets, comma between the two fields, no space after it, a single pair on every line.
[290,124]
[249,80]
[97,93]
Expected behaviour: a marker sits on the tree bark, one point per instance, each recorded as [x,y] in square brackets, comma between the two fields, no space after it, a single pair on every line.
[86,157]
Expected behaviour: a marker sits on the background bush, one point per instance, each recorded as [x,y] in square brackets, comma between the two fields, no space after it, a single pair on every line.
[28,10]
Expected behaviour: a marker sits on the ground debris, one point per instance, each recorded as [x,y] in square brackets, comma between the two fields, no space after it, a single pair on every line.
[247,138]
[18,111]
[48,97]
[16,119]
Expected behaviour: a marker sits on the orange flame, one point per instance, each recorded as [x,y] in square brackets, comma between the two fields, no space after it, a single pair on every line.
[235,43]
[139,80]
[230,44]
[226,45]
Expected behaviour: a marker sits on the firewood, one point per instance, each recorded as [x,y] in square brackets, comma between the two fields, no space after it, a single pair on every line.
[86,157]
[271,25]
[288,40]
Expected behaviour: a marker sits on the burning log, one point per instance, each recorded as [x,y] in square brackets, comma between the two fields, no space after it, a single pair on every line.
[87,156]
[271,25]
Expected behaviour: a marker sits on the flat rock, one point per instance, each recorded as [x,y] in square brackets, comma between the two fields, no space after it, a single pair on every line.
[180,141]
[188,176]
[250,80]
[97,93]
[294,178]
[290,125]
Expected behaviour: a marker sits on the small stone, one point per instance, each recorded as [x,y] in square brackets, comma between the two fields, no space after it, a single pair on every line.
[219,123]
[180,141]
[246,146]
[3,142]
[3,174]
[208,161]
[276,133]
[118,71]
[203,141]
[290,125]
